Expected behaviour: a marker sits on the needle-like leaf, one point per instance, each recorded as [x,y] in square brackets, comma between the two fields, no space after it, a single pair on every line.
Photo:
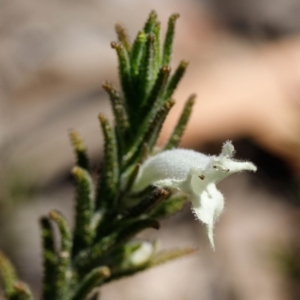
[83,234]
[50,259]
[109,173]
[82,160]
[168,43]
[181,124]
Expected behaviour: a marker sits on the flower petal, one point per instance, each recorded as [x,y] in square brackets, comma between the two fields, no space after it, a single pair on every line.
[227,150]
[207,207]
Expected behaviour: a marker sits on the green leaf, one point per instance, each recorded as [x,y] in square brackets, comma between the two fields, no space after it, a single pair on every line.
[123,36]
[147,71]
[87,259]
[151,22]
[149,203]
[179,129]
[96,255]
[150,136]
[22,291]
[136,55]
[90,281]
[175,78]
[169,206]
[125,273]
[119,109]
[168,43]
[157,260]
[13,288]
[82,160]
[83,234]
[50,259]
[156,31]
[131,178]
[64,274]
[158,87]
[156,125]
[135,227]
[63,227]
[168,255]
[8,275]
[99,253]
[124,68]
[109,174]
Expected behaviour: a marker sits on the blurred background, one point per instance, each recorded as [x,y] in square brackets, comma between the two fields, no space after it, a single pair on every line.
[245,68]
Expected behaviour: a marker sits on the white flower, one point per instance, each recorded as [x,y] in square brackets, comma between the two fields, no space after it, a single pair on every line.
[142,255]
[196,175]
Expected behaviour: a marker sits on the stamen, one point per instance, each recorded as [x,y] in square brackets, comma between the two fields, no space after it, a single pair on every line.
[201,177]
[224,170]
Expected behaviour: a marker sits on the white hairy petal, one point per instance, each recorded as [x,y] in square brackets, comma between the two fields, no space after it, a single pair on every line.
[171,166]
[195,174]
[207,207]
